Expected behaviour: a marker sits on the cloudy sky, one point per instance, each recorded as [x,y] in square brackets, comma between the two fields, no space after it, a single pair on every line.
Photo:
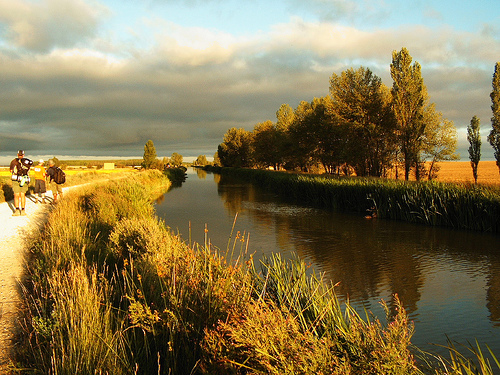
[101,77]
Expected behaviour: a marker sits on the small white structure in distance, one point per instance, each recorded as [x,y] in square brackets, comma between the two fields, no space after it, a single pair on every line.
[109,166]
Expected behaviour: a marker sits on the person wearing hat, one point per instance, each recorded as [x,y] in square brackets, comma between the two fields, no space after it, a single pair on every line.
[40,174]
[19,167]
[56,188]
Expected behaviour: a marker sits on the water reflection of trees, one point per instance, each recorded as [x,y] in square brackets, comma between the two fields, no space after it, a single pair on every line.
[202,174]
[370,259]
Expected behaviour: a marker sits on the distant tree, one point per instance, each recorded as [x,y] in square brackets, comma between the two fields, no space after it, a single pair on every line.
[474,138]
[494,136]
[165,162]
[235,150]
[149,158]
[159,164]
[409,97]
[284,117]
[439,141]
[217,161]
[176,159]
[201,161]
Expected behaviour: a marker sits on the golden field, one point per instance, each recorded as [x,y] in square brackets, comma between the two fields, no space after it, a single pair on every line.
[461,171]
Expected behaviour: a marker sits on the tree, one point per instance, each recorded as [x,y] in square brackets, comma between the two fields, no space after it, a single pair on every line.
[57,162]
[439,141]
[302,135]
[201,160]
[164,162]
[234,151]
[217,161]
[361,103]
[149,158]
[474,138]
[176,159]
[285,117]
[494,136]
[409,97]
[265,151]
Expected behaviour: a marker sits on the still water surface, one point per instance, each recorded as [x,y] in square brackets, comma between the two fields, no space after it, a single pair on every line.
[449,281]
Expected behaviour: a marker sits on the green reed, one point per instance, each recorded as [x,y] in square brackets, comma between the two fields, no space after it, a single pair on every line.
[459,206]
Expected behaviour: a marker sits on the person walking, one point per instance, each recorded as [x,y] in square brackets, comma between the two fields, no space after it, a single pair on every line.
[40,188]
[19,168]
[56,188]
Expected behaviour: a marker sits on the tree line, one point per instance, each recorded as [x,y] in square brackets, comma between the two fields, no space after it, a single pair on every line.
[151,161]
[362,127]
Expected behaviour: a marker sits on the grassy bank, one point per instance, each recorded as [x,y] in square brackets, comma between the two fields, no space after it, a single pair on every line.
[431,203]
[110,290]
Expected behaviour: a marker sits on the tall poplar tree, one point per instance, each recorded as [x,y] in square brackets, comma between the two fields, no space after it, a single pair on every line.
[494,137]
[149,158]
[409,97]
[474,138]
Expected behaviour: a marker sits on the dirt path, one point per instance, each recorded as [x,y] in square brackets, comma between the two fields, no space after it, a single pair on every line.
[13,232]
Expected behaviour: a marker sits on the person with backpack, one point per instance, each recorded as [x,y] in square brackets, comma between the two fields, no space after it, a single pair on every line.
[40,174]
[19,168]
[56,178]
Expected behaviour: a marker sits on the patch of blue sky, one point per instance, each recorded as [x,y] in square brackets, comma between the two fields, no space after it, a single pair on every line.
[234,17]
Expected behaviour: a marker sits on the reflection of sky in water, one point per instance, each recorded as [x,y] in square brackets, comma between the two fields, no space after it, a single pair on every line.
[448,281]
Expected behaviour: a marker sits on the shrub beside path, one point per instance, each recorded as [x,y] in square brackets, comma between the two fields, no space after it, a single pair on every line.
[14,230]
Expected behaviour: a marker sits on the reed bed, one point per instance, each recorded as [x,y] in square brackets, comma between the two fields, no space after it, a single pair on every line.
[110,290]
[460,206]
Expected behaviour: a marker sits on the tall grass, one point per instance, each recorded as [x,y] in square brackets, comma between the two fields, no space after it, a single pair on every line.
[459,206]
[110,290]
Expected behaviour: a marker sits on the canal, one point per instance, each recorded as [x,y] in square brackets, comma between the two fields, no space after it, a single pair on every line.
[449,281]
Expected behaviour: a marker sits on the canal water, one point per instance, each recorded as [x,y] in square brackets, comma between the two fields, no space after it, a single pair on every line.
[448,281]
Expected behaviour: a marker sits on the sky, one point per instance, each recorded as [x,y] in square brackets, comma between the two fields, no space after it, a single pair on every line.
[82,78]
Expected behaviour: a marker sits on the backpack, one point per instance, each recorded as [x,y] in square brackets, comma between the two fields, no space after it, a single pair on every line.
[59,176]
[22,166]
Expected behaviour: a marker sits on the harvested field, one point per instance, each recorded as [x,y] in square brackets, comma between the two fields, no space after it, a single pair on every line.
[461,171]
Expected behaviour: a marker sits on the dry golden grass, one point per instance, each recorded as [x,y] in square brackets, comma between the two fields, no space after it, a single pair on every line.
[461,171]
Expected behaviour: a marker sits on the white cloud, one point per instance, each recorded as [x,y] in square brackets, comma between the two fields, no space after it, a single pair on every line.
[40,26]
